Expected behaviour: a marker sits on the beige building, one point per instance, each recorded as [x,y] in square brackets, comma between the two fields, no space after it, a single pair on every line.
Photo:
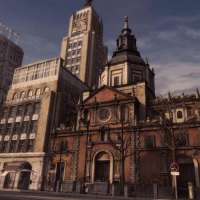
[31,110]
[11,57]
[82,49]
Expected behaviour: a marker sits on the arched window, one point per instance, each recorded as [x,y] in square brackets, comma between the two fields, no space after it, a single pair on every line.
[179,114]
[14,96]
[46,89]
[37,93]
[22,94]
[30,93]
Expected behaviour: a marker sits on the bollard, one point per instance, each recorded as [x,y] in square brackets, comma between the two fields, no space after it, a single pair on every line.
[190,190]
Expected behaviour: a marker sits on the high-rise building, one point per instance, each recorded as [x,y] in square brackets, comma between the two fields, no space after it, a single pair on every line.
[82,49]
[11,56]
[41,96]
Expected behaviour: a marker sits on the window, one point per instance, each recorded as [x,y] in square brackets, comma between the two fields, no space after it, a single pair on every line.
[25,127]
[78,59]
[70,45]
[36,108]
[22,95]
[30,145]
[4,112]
[4,146]
[149,141]
[104,114]
[183,140]
[21,146]
[8,128]
[179,114]
[78,51]
[33,127]
[116,80]
[2,129]
[19,110]
[79,43]
[37,92]
[30,93]
[28,109]
[13,146]
[75,44]
[16,127]
[103,134]
[14,96]
[11,111]
[46,89]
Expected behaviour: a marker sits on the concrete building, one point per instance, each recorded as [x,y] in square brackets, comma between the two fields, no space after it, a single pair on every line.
[82,49]
[42,95]
[11,56]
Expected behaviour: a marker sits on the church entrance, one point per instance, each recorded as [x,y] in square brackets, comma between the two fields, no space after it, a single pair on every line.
[102,167]
[102,173]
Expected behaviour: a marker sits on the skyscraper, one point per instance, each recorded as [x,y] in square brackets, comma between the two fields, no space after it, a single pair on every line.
[11,56]
[82,49]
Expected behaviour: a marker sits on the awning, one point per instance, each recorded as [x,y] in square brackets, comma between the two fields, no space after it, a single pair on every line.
[4,173]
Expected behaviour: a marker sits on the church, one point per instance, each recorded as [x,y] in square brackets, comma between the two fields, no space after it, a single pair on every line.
[125,136]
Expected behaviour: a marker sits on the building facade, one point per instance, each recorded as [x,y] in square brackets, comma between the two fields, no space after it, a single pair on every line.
[11,57]
[125,135]
[40,95]
[103,142]
[82,49]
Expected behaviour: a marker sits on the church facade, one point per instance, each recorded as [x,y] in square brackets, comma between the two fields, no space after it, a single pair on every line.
[122,131]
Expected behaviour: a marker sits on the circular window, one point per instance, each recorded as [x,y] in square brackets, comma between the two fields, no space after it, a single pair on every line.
[104,114]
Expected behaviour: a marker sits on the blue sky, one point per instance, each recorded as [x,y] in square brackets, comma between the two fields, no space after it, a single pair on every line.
[167,32]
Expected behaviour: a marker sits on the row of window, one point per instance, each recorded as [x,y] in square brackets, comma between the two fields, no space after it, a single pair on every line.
[75,44]
[27,74]
[29,94]
[18,127]
[20,110]
[71,61]
[74,69]
[149,141]
[81,15]
[17,146]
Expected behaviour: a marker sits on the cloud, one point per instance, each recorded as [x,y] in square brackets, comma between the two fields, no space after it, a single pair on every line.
[177,77]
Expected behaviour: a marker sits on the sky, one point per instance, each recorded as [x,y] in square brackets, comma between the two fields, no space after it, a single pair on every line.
[167,32]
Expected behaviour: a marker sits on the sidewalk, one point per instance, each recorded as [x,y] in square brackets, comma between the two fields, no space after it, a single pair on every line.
[84,196]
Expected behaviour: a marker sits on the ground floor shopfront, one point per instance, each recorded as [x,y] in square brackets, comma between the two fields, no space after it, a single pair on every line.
[21,171]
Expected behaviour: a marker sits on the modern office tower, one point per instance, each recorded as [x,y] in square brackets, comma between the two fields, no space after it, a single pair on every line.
[11,57]
[82,49]
[41,96]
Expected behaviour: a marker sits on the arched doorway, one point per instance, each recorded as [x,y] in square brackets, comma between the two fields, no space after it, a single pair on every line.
[102,167]
[187,174]
[24,178]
